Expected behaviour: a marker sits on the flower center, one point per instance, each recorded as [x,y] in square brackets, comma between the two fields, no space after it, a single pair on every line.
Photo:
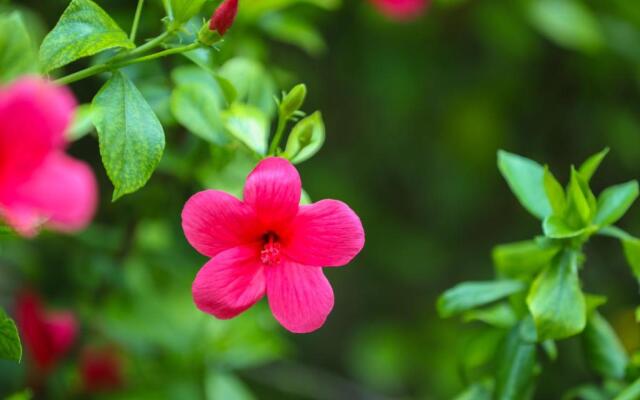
[270,253]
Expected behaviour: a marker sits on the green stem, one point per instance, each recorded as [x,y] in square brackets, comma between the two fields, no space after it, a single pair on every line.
[277,137]
[168,9]
[136,21]
[97,69]
[82,74]
[151,44]
[160,54]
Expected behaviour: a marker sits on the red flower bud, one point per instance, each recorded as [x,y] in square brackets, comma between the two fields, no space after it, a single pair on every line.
[47,336]
[101,370]
[224,16]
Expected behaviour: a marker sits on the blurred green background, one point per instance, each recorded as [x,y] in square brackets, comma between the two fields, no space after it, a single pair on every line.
[415,112]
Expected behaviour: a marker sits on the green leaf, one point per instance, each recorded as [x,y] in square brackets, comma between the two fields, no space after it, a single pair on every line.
[306,138]
[593,301]
[83,30]
[550,349]
[604,352]
[184,10]
[554,191]
[521,259]
[556,300]
[253,85]
[82,123]
[630,247]
[581,203]
[223,385]
[614,202]
[591,164]
[23,395]
[249,125]
[526,180]
[586,392]
[10,347]
[196,107]
[557,228]
[632,392]
[293,30]
[477,391]
[17,53]
[568,23]
[131,137]
[468,295]
[500,315]
[516,362]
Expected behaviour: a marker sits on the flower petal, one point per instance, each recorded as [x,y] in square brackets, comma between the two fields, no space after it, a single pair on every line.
[273,189]
[230,283]
[62,193]
[214,221]
[300,296]
[325,234]
[34,115]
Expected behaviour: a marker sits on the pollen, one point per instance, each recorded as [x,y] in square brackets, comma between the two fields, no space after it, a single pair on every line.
[270,253]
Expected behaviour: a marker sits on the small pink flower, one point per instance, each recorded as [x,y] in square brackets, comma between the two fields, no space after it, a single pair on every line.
[46,336]
[401,10]
[223,16]
[269,244]
[39,183]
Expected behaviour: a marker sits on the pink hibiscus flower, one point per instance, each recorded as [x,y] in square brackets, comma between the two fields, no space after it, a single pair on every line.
[47,336]
[39,183]
[401,10]
[270,245]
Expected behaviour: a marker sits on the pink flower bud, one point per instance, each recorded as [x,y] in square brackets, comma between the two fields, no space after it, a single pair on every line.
[224,16]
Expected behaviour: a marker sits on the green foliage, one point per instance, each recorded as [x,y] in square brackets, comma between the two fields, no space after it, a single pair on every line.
[131,137]
[82,123]
[569,23]
[253,84]
[555,306]
[591,164]
[196,107]
[184,10]
[556,300]
[249,125]
[84,29]
[604,351]
[17,53]
[220,385]
[526,180]
[289,29]
[515,363]
[614,202]
[292,101]
[306,138]
[554,192]
[632,392]
[469,295]
[522,259]
[10,347]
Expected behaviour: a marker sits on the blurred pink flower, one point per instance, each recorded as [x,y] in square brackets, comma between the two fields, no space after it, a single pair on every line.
[39,183]
[401,10]
[46,336]
[100,369]
[269,244]
[223,17]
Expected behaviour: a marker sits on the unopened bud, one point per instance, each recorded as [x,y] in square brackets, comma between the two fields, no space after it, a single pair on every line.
[306,138]
[293,100]
[224,16]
